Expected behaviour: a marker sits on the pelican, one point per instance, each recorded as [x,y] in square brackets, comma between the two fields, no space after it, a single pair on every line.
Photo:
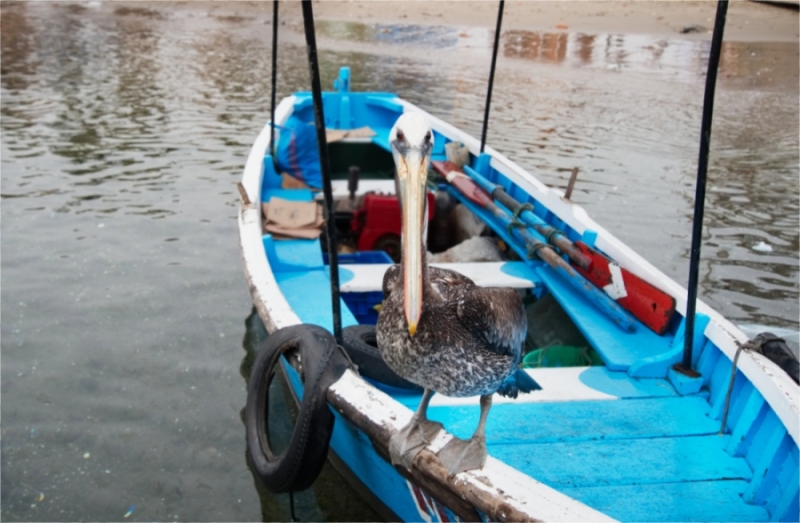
[436,327]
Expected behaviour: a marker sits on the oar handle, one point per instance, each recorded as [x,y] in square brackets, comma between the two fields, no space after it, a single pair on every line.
[550,233]
[599,298]
[470,190]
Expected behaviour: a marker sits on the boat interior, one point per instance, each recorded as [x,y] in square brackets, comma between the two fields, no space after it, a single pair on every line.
[612,427]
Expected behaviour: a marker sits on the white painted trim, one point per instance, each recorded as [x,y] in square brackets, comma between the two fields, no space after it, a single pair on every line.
[778,389]
[339,188]
[272,306]
[531,497]
[254,167]
[363,139]
[559,384]
[369,277]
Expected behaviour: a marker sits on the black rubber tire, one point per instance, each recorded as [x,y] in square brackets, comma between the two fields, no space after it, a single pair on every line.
[360,342]
[300,463]
[778,351]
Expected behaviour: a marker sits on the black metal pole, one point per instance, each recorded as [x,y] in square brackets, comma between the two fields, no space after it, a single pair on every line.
[702,170]
[491,74]
[274,78]
[319,116]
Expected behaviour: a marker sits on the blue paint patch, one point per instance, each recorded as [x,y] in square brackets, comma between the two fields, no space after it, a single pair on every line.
[521,270]
[696,501]
[292,255]
[589,237]
[618,348]
[303,101]
[529,424]
[345,275]
[308,294]
[658,365]
[625,461]
[294,195]
[621,385]
[684,384]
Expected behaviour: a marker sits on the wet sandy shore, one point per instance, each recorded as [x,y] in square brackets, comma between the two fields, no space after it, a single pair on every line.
[747,21]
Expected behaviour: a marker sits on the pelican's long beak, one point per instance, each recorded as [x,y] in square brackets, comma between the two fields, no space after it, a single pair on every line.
[412,172]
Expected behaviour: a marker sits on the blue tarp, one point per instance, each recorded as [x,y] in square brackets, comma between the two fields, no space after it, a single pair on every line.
[298,153]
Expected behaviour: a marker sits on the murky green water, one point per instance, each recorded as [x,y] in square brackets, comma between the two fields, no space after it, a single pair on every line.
[124,130]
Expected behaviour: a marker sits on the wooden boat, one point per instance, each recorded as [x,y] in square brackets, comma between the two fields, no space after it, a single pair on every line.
[629,439]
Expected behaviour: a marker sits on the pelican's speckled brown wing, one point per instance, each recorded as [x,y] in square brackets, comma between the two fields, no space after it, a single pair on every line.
[495,315]
[390,279]
[439,276]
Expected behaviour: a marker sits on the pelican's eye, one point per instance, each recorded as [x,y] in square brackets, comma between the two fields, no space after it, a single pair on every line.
[428,137]
[400,136]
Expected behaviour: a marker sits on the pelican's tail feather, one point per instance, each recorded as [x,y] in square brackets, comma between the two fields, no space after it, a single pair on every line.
[518,382]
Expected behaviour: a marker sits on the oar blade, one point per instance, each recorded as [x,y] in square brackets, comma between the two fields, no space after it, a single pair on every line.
[648,304]
[455,176]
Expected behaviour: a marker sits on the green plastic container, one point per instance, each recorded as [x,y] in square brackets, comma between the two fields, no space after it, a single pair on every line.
[561,356]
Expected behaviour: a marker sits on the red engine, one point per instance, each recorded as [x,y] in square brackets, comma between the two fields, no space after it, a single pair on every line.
[378,223]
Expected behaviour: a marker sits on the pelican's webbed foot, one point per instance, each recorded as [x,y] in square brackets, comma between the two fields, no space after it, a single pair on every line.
[459,455]
[408,441]
[420,431]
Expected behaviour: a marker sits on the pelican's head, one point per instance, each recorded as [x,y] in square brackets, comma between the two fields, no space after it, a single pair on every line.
[412,142]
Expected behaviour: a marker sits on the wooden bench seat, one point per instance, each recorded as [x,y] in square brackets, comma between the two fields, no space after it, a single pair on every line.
[369,277]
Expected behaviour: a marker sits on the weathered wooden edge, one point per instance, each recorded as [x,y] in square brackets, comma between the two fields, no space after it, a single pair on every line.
[498,491]
[272,307]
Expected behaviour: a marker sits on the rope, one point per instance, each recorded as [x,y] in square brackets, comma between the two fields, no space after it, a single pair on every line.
[552,232]
[748,346]
[515,224]
[520,209]
[534,248]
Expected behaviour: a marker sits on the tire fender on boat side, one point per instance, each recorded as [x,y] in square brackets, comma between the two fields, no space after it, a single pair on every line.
[322,362]
[360,342]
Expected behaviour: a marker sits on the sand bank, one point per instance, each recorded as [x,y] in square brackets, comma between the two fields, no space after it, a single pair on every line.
[747,21]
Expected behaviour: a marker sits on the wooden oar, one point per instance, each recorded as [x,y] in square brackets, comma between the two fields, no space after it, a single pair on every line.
[498,193]
[477,196]
[648,304]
